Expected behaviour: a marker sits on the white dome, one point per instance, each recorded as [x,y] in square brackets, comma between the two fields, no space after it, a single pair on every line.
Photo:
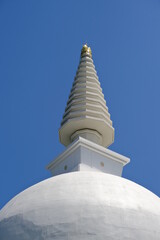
[82,205]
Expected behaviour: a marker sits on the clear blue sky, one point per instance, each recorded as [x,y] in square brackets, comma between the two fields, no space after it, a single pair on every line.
[40,43]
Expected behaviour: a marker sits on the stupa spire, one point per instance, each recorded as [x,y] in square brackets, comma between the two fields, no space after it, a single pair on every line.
[86,113]
[86,128]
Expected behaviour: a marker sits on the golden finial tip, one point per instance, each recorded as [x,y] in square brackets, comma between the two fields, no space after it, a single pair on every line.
[86,50]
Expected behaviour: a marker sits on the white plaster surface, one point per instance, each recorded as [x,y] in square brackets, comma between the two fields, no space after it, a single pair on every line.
[84,155]
[82,205]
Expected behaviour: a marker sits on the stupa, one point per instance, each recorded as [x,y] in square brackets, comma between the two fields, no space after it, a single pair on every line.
[86,197]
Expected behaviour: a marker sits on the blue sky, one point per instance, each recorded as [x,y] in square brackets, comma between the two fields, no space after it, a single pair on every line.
[40,43]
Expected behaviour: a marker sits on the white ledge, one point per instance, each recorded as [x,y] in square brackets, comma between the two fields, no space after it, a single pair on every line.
[73,153]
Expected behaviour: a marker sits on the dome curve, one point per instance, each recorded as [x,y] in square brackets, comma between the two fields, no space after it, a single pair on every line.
[82,205]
